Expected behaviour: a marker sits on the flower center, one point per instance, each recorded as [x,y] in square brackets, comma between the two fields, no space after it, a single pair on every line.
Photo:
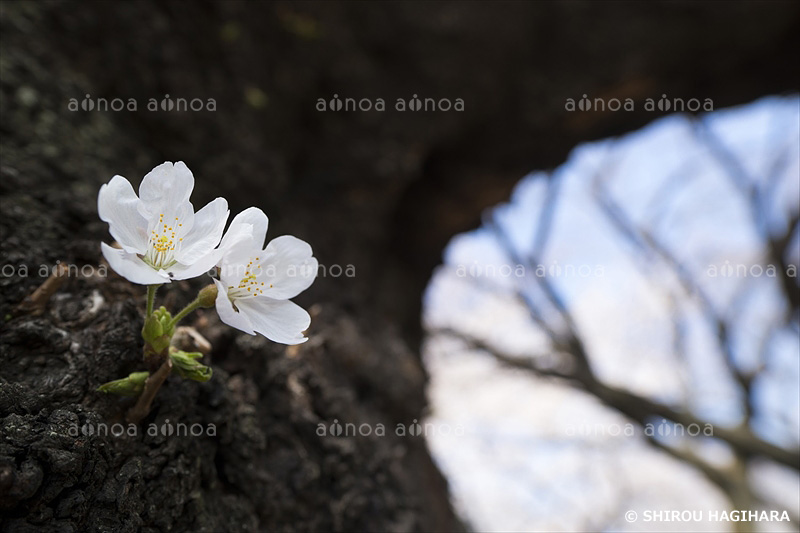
[163,243]
[250,284]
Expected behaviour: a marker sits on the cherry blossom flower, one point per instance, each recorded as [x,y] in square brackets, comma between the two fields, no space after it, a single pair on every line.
[255,284]
[160,235]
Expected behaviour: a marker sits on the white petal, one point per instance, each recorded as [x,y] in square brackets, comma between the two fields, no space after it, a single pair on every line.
[236,256]
[164,186]
[117,205]
[251,221]
[131,267]
[198,268]
[278,320]
[228,314]
[206,231]
[290,266]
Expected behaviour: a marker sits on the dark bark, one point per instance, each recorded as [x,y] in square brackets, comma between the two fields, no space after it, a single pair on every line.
[382,191]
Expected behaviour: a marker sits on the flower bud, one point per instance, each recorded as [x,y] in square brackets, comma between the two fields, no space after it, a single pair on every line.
[207,296]
[153,328]
[165,319]
[157,332]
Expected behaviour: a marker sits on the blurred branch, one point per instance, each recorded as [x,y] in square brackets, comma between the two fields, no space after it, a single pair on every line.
[720,477]
[636,407]
[732,166]
[546,216]
[644,240]
[566,340]
[756,197]
[678,334]
[778,250]
[527,364]
[658,205]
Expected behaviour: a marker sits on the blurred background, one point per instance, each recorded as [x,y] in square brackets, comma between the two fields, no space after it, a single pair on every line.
[622,336]
[560,237]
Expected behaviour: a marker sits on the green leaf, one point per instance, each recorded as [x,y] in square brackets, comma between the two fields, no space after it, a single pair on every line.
[130,386]
[185,364]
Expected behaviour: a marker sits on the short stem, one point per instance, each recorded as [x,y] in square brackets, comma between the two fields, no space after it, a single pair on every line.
[151,296]
[185,311]
[151,386]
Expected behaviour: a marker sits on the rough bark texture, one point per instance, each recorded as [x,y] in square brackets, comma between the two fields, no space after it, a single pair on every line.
[382,191]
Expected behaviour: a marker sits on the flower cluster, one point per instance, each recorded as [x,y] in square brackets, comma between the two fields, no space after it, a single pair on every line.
[161,238]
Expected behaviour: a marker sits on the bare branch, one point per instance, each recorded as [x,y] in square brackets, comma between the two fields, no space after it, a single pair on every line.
[641,409]
[756,197]
[645,240]
[568,340]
